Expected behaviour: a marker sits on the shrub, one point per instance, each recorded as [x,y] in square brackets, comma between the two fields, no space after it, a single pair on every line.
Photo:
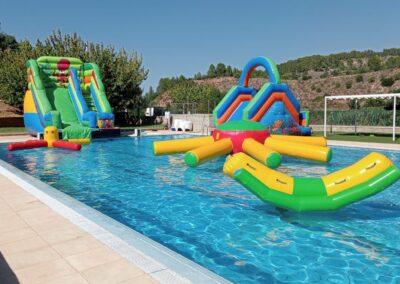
[319,90]
[349,84]
[337,85]
[396,76]
[371,79]
[324,75]
[387,81]
[335,73]
[359,78]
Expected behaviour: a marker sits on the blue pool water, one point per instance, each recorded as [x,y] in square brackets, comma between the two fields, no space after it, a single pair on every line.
[209,218]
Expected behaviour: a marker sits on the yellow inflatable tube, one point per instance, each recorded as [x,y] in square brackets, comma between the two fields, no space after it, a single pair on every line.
[207,152]
[180,145]
[262,154]
[273,179]
[359,172]
[299,150]
[317,141]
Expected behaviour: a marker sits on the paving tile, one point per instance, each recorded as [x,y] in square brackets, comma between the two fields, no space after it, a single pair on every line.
[28,258]
[61,235]
[24,202]
[76,246]
[92,258]
[113,272]
[142,279]
[23,245]
[16,235]
[45,271]
[37,215]
[11,222]
[50,224]
[69,279]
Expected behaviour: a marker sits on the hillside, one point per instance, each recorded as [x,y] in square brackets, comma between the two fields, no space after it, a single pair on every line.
[311,78]
[310,92]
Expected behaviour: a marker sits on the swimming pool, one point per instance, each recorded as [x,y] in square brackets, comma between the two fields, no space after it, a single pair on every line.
[209,218]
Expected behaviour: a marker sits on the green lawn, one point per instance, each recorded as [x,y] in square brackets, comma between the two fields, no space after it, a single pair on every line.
[372,138]
[12,130]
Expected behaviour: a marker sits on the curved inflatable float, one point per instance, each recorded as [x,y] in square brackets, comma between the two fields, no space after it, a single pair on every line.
[368,176]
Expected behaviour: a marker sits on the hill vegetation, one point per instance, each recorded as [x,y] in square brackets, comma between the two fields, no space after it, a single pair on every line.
[311,79]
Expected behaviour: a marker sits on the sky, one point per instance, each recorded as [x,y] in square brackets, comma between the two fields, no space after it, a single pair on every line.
[177,37]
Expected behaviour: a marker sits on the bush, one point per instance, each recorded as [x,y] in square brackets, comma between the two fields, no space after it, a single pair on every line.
[319,90]
[337,85]
[396,76]
[387,81]
[349,84]
[359,78]
[371,79]
[335,73]
[324,75]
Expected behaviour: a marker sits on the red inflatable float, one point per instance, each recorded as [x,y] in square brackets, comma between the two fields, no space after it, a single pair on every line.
[67,145]
[29,144]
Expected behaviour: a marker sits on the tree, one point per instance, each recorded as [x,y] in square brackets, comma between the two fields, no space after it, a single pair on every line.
[374,63]
[221,69]
[122,72]
[7,41]
[212,72]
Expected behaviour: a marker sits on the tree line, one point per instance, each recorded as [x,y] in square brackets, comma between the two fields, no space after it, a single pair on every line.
[122,72]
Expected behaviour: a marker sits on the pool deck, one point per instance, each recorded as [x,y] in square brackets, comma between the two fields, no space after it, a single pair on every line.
[37,245]
[40,245]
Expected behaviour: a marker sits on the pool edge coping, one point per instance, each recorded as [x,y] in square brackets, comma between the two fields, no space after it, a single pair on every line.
[158,261]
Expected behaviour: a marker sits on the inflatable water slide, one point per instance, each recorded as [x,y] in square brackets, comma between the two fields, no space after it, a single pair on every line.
[273,105]
[68,94]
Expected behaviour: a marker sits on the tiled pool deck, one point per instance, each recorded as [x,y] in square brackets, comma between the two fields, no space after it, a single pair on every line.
[47,237]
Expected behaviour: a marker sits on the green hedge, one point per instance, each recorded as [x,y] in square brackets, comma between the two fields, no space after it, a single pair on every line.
[368,116]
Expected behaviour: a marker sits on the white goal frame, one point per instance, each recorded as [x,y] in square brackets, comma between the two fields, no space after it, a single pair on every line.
[357,97]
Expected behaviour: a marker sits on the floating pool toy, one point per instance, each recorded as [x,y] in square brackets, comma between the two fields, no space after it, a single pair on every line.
[249,137]
[247,126]
[51,140]
[368,176]
[245,120]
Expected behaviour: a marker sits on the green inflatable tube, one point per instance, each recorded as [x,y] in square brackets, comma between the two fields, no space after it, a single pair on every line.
[310,193]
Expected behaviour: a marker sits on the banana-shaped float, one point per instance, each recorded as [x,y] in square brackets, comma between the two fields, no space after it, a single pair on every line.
[368,176]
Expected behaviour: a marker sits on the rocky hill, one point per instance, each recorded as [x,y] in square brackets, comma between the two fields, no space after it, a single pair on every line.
[311,78]
[311,92]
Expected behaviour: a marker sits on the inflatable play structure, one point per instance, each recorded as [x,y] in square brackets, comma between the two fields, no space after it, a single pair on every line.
[68,94]
[51,140]
[274,105]
[257,127]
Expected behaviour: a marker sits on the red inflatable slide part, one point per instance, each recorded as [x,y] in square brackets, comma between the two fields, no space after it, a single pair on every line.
[29,144]
[67,145]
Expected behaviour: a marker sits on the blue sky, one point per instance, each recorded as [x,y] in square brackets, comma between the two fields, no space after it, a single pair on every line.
[184,37]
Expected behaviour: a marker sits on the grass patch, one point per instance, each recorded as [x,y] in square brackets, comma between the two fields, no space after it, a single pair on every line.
[12,130]
[361,137]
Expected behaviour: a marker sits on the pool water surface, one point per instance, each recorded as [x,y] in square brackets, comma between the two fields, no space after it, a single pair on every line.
[209,218]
